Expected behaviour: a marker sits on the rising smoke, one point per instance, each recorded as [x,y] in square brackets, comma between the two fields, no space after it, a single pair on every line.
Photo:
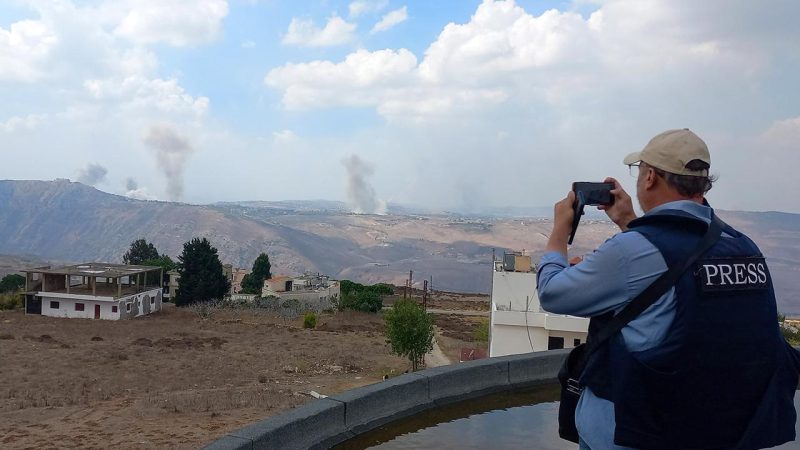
[172,151]
[92,174]
[131,184]
[132,190]
[360,194]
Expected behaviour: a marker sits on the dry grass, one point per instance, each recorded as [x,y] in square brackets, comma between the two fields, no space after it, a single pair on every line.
[172,379]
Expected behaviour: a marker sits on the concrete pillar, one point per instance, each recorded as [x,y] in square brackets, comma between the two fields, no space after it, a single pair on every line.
[145,281]
[119,287]
[66,277]
[93,282]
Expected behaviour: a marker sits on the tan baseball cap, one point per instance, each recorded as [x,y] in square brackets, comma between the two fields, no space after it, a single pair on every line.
[671,151]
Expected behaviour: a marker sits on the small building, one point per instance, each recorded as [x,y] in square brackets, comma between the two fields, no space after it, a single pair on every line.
[312,288]
[171,283]
[93,291]
[518,324]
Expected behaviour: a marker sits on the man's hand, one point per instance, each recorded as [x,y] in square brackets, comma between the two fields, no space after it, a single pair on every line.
[563,213]
[621,212]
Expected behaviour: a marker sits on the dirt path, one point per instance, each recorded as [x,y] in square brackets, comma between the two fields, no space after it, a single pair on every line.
[436,357]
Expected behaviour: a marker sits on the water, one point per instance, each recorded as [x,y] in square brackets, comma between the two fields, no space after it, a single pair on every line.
[522,419]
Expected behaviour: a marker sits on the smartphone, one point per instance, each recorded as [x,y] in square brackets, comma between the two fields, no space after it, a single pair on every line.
[594,193]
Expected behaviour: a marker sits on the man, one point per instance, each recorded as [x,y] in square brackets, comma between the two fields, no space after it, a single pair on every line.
[705,366]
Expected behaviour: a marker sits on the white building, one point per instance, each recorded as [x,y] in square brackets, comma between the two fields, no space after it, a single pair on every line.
[93,291]
[518,323]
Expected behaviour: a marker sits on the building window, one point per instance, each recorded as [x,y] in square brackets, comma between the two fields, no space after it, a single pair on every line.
[114,308]
[54,305]
[576,342]
[128,307]
[152,300]
[78,306]
[554,343]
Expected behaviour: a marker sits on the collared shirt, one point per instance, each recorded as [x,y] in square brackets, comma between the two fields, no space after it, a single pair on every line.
[607,280]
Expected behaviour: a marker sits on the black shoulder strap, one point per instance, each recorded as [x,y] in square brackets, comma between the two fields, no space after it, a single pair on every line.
[653,292]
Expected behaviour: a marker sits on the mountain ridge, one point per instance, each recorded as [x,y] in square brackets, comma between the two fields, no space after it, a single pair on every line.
[68,221]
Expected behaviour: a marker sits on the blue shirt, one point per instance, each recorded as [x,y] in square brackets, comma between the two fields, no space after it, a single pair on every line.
[607,280]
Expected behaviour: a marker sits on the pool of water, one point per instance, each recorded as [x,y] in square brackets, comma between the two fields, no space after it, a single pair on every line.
[521,419]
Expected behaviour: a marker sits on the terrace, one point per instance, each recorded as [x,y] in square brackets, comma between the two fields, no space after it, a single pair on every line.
[94,279]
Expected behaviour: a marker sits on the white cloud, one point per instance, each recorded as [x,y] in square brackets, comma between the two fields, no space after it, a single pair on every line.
[147,94]
[178,23]
[27,123]
[304,33]
[361,7]
[248,44]
[23,49]
[504,53]
[391,19]
[364,75]
[785,133]
[284,137]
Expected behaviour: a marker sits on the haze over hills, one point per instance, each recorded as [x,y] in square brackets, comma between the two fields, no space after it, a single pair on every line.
[66,221]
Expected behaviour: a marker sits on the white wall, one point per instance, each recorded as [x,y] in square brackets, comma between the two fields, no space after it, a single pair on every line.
[519,325]
[66,308]
[517,289]
[139,300]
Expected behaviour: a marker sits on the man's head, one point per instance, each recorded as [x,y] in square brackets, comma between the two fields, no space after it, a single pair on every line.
[674,165]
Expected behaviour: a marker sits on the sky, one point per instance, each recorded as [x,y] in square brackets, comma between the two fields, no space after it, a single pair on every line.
[453,105]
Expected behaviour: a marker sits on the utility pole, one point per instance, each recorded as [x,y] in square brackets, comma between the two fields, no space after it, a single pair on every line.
[425,295]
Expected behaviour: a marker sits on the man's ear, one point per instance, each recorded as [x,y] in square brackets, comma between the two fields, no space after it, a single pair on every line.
[650,179]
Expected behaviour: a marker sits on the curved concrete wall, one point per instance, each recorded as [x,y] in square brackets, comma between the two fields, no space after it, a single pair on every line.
[326,422]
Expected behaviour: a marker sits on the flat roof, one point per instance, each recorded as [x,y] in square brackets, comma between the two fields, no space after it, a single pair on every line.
[104,270]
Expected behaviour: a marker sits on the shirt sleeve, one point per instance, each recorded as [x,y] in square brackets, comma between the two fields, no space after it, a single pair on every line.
[597,285]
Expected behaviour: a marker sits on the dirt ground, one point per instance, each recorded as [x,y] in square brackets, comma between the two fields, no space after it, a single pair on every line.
[445,300]
[172,380]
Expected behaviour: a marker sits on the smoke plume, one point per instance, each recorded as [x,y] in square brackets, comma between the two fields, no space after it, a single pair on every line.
[172,151]
[92,174]
[132,190]
[360,194]
[131,184]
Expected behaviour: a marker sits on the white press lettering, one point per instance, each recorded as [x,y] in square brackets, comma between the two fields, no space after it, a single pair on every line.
[738,270]
[752,276]
[725,274]
[762,275]
[708,268]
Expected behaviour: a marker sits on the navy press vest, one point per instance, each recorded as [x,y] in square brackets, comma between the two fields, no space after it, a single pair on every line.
[724,377]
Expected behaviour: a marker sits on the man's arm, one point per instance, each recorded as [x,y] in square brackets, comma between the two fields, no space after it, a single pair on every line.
[596,285]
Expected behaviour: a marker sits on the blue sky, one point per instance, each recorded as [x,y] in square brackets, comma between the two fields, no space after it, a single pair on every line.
[446,104]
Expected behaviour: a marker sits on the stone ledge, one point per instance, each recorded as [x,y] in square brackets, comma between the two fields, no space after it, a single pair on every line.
[326,422]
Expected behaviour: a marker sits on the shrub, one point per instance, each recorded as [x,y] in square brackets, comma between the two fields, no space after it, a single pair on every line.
[310,320]
[10,301]
[481,333]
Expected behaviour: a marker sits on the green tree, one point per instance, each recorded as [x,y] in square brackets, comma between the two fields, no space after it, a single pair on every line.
[163,261]
[139,252]
[253,282]
[12,283]
[202,278]
[409,331]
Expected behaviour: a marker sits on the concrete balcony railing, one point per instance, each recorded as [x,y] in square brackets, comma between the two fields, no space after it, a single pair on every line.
[326,422]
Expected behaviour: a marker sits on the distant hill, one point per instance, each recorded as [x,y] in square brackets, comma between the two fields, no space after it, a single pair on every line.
[66,221]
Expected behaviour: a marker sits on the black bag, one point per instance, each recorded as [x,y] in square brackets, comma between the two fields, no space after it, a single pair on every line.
[572,368]
[570,394]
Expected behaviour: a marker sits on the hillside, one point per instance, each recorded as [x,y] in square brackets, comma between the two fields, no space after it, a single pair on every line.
[72,222]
